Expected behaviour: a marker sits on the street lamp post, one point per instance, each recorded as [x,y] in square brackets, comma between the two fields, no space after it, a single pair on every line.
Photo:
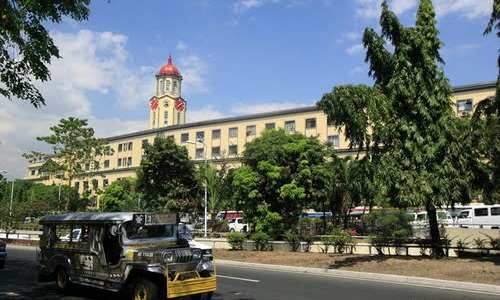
[206,179]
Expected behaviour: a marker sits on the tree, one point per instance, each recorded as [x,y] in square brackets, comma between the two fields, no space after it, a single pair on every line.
[416,141]
[486,129]
[121,195]
[26,46]
[167,178]
[278,173]
[75,150]
[218,185]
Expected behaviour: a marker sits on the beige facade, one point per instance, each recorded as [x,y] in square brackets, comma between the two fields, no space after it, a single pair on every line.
[222,138]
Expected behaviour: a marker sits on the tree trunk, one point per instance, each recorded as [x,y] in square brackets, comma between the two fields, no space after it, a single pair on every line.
[437,249]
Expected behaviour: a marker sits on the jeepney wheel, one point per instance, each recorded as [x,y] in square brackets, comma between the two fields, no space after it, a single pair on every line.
[145,289]
[62,279]
[206,296]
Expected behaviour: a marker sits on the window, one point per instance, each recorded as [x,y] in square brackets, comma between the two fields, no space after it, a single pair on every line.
[105,183]
[233,132]
[80,234]
[165,118]
[77,186]
[233,150]
[106,163]
[481,212]
[87,166]
[162,87]
[200,136]
[144,143]
[251,130]
[330,123]
[130,144]
[184,137]
[270,125]
[215,134]
[174,86]
[63,233]
[464,105]
[215,152]
[167,85]
[495,211]
[119,162]
[85,185]
[199,153]
[120,147]
[33,172]
[95,184]
[290,126]
[311,123]
[333,141]
[463,214]
[129,161]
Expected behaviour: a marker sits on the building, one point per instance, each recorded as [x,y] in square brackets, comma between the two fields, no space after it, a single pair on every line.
[218,139]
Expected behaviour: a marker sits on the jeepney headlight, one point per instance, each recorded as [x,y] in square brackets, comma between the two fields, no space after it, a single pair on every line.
[196,254]
[167,257]
[207,254]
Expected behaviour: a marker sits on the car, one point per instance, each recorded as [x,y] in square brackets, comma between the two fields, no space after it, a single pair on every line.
[238,225]
[143,255]
[3,253]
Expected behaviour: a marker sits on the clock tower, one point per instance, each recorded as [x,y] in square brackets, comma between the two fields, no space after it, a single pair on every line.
[167,107]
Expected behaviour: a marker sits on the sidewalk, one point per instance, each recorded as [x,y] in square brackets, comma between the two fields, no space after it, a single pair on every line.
[377,277]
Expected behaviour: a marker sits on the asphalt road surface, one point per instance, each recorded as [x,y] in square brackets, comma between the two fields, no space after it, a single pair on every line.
[18,281]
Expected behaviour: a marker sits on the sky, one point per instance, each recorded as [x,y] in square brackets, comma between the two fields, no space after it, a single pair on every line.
[236,57]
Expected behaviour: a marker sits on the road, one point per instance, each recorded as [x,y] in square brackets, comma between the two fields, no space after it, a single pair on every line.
[18,281]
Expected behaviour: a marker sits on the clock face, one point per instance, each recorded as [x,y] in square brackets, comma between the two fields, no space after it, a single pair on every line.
[179,105]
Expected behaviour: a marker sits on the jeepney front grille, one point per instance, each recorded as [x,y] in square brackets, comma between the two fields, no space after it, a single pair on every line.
[183,255]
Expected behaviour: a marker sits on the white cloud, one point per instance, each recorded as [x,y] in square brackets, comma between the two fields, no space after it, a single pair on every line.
[193,70]
[181,46]
[252,108]
[349,36]
[204,113]
[89,65]
[242,6]
[468,8]
[357,70]
[354,49]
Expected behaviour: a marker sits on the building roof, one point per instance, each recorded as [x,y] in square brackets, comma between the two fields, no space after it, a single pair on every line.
[456,89]
[89,217]
[169,69]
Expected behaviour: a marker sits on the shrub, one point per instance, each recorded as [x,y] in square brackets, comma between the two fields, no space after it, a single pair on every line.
[268,222]
[236,240]
[388,227]
[293,239]
[341,240]
[309,240]
[494,242]
[261,240]
[479,243]
[327,242]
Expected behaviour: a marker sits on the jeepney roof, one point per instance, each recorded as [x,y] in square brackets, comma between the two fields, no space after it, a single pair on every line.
[88,217]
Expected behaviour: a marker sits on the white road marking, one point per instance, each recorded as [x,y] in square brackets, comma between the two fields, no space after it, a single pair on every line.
[238,278]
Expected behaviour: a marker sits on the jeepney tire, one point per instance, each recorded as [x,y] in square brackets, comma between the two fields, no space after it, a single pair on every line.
[205,296]
[148,288]
[62,279]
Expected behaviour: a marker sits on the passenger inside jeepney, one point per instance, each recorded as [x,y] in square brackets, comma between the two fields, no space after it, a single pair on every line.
[111,243]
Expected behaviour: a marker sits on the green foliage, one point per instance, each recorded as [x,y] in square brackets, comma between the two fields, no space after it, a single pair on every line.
[267,221]
[341,240]
[282,171]
[236,240]
[121,195]
[261,240]
[417,143]
[388,227]
[22,27]
[218,185]
[167,178]
[74,146]
[293,239]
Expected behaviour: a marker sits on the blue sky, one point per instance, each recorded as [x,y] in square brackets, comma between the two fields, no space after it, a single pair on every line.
[236,56]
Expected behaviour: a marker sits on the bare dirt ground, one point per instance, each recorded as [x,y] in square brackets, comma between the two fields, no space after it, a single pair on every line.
[479,270]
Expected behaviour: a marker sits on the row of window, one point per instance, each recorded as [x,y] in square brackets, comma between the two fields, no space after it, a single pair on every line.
[166,86]
[125,147]
[216,152]
[124,162]
[94,182]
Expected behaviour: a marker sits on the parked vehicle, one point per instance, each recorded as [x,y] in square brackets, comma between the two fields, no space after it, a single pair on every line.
[421,219]
[229,215]
[138,253]
[3,253]
[486,216]
[238,225]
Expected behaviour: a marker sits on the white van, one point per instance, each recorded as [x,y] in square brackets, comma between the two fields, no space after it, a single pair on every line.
[421,219]
[487,216]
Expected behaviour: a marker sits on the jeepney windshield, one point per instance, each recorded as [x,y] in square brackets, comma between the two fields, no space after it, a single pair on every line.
[136,231]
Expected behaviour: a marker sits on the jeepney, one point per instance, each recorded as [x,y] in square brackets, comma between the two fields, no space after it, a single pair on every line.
[140,254]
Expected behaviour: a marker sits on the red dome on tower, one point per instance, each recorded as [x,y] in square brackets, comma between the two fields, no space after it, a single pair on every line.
[169,68]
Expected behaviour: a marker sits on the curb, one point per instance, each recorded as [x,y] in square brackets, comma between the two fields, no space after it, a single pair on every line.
[377,277]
